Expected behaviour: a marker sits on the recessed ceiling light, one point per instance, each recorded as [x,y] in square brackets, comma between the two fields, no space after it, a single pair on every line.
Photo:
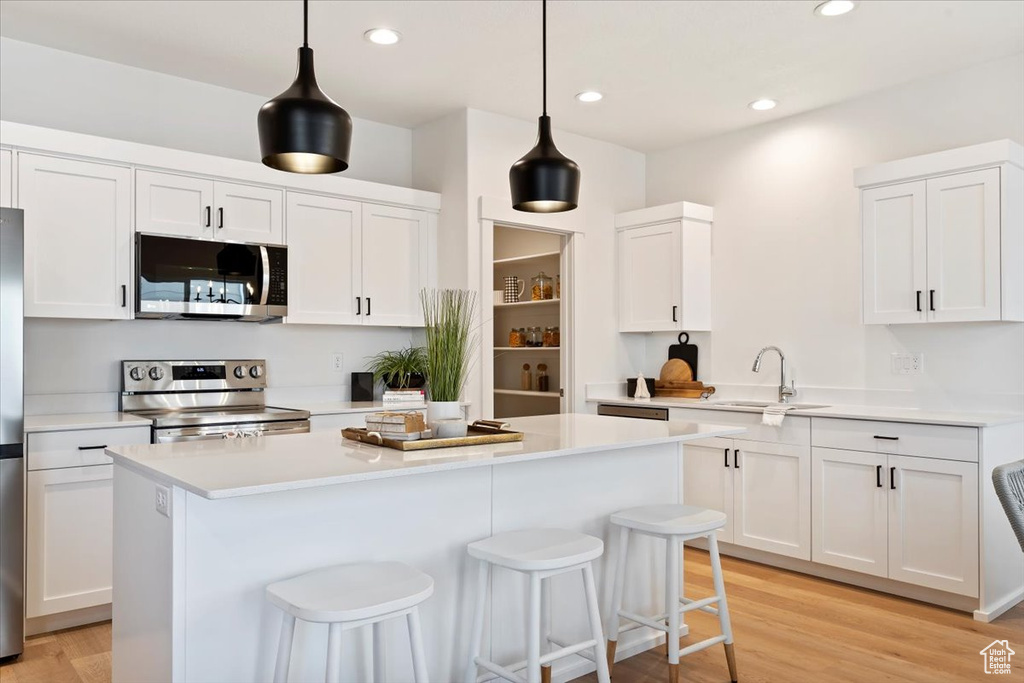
[383,36]
[762,105]
[589,96]
[834,8]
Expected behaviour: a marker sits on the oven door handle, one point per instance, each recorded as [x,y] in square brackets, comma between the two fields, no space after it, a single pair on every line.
[212,432]
[265,287]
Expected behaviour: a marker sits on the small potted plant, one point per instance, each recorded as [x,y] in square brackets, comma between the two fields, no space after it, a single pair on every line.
[448,319]
[404,369]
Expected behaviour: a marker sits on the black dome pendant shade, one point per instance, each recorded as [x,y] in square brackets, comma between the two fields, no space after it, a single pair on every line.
[545,180]
[302,130]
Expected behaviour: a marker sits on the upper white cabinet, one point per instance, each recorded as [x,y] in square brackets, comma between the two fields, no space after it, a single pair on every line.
[946,245]
[664,268]
[397,255]
[173,204]
[78,238]
[6,177]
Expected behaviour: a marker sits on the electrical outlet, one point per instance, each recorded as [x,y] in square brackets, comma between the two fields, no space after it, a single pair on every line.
[907,363]
[338,362]
[163,500]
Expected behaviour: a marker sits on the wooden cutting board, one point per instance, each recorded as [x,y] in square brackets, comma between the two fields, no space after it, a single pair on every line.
[676,370]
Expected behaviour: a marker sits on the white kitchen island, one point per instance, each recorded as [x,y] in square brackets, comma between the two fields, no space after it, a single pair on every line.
[189,581]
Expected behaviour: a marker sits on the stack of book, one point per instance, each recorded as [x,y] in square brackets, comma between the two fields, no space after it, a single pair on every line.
[394,398]
[398,426]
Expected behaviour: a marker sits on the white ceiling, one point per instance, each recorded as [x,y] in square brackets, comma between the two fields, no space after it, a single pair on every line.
[670,71]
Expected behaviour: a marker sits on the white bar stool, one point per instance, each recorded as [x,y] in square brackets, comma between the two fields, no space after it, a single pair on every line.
[350,596]
[674,523]
[540,553]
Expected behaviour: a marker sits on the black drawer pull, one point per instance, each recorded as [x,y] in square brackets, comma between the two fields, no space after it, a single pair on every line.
[887,438]
[124,296]
[736,459]
[726,457]
[878,476]
[92,448]
[892,478]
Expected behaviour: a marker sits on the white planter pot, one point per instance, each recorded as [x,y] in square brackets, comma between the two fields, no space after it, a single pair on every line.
[442,410]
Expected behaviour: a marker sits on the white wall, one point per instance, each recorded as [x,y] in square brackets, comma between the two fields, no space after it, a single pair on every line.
[787,244]
[54,89]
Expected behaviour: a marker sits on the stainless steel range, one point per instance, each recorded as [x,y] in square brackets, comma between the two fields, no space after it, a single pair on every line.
[190,400]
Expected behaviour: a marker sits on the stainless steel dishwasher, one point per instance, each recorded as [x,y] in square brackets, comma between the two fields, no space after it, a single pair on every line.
[636,412]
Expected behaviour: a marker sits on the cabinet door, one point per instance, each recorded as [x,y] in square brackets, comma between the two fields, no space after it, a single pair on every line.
[168,204]
[6,175]
[650,278]
[849,510]
[69,517]
[707,478]
[963,246]
[324,236]
[78,239]
[933,523]
[395,265]
[247,213]
[772,498]
[895,253]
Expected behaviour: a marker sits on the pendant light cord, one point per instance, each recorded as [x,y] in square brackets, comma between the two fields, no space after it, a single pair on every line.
[544,50]
[305,23]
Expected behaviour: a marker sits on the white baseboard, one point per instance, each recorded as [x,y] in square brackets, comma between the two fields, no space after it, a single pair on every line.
[1000,607]
[62,620]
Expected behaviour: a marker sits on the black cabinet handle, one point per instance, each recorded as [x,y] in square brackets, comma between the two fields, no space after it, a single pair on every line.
[91,448]
[124,296]
[887,438]
[208,217]
[367,305]
[220,217]
[675,310]
[359,305]
[931,299]
[919,301]
[892,478]
[878,476]
[726,457]
[736,459]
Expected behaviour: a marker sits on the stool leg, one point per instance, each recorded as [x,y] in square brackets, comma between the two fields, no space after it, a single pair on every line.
[620,582]
[419,659]
[723,605]
[545,626]
[333,653]
[477,635]
[380,670]
[533,631]
[593,611]
[284,649]
[672,606]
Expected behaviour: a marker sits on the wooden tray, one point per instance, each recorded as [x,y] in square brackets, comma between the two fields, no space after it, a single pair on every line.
[481,432]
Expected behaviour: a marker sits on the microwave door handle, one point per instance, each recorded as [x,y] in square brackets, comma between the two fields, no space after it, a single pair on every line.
[265,288]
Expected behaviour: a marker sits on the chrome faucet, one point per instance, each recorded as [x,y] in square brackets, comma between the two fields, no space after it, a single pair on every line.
[785,392]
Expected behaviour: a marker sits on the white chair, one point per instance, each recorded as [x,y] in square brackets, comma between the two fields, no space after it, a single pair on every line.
[541,554]
[674,523]
[350,596]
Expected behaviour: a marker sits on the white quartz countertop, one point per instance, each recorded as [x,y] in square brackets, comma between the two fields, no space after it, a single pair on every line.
[343,407]
[70,421]
[952,418]
[238,467]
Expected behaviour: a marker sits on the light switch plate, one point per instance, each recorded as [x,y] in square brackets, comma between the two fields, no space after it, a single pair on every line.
[907,363]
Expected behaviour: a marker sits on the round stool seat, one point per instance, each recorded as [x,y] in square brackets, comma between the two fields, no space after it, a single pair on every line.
[670,520]
[351,592]
[537,549]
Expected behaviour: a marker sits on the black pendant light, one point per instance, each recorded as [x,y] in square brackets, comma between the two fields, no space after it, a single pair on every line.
[302,130]
[545,180]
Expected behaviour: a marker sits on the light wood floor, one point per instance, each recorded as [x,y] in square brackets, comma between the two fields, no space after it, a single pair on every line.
[788,628]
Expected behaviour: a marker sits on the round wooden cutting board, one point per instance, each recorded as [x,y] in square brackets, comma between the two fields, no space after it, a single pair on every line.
[676,370]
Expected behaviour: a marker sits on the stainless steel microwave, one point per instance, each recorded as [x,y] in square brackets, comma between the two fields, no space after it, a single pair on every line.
[191,279]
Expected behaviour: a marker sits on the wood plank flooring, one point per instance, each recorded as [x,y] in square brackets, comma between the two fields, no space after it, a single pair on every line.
[788,628]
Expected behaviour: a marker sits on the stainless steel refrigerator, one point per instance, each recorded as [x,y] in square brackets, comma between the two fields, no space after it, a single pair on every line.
[12,461]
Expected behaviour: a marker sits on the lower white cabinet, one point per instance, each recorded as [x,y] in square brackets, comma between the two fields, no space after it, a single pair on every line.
[907,518]
[69,516]
[764,488]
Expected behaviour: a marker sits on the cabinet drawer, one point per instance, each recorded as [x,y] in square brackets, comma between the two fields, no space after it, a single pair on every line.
[77,448]
[794,430]
[899,438]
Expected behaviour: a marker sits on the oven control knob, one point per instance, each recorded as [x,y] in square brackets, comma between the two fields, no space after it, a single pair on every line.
[156,374]
[256,371]
[240,371]
[136,373]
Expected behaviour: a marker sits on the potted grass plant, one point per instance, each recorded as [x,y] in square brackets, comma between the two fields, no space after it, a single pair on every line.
[403,369]
[448,321]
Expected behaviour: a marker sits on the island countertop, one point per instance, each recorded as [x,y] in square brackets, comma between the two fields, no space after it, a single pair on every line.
[229,468]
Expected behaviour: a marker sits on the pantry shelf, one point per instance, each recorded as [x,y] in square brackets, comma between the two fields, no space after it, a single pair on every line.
[549,349]
[520,392]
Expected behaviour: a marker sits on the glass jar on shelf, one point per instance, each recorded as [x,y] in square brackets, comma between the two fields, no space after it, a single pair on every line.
[548,337]
[526,378]
[536,337]
[543,381]
[542,287]
[556,336]
[558,286]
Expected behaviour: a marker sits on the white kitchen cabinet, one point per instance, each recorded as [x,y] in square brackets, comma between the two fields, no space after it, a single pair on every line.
[69,538]
[933,523]
[6,178]
[192,206]
[772,498]
[948,245]
[396,262]
[78,239]
[708,478]
[664,268]
[850,510]
[324,252]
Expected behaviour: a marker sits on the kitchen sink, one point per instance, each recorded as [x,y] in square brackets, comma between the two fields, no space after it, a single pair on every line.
[765,404]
